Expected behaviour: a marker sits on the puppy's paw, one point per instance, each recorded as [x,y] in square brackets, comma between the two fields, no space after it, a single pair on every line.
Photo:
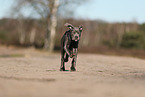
[62,69]
[73,69]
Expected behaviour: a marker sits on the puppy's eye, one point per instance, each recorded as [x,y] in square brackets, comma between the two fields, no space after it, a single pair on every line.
[77,32]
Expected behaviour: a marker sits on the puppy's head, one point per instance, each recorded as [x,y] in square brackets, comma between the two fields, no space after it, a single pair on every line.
[75,31]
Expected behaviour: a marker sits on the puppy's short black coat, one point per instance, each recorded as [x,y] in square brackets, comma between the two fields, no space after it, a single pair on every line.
[69,46]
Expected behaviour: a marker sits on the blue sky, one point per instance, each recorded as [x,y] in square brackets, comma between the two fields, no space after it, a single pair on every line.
[114,10]
[4,7]
[109,10]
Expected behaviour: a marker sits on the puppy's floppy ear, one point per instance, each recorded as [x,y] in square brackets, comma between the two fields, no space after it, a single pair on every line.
[80,28]
[70,26]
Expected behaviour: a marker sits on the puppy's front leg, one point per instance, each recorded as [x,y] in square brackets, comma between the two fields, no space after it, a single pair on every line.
[74,51]
[74,59]
[74,63]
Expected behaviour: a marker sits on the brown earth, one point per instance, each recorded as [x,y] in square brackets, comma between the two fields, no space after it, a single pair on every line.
[32,73]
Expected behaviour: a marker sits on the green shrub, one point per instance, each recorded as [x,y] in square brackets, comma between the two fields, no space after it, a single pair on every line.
[142,27]
[133,40]
[3,35]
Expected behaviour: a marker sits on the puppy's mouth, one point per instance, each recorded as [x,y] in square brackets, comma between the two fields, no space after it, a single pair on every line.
[76,39]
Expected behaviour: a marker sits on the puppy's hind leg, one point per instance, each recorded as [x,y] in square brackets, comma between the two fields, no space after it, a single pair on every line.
[62,67]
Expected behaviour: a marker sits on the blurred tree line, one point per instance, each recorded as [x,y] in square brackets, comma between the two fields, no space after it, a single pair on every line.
[95,33]
[41,32]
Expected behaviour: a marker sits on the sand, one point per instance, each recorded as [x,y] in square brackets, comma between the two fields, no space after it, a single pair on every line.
[38,75]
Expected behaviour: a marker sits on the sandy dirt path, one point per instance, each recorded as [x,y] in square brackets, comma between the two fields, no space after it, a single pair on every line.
[96,76]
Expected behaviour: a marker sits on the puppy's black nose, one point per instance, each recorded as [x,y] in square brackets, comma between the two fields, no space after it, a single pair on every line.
[76,37]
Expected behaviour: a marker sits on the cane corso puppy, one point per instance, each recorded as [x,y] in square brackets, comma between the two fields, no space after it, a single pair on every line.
[69,46]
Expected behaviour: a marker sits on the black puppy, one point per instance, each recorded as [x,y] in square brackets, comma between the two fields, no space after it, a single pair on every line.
[69,45]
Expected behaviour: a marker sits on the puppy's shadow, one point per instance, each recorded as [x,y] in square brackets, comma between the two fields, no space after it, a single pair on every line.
[53,70]
[66,70]
[50,70]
